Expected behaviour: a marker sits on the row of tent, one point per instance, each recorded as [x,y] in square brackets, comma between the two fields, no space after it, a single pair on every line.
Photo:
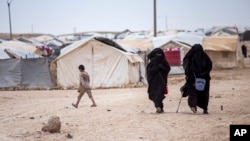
[110,63]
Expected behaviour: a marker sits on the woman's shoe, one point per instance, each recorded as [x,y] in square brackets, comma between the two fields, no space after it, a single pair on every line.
[159,110]
[205,112]
[194,109]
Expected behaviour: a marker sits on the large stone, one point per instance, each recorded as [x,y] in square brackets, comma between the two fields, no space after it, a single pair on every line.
[53,125]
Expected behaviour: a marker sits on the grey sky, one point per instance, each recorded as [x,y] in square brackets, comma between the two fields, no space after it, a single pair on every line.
[66,16]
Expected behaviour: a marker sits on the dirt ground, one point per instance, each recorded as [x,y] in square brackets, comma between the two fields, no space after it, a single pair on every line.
[127,114]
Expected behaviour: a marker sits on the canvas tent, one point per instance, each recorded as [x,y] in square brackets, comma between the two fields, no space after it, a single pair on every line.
[175,52]
[25,73]
[224,51]
[107,65]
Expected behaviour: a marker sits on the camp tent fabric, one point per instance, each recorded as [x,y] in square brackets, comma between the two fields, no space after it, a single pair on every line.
[107,66]
[224,51]
[25,73]
[44,38]
[221,43]
[142,44]
[25,47]
[17,53]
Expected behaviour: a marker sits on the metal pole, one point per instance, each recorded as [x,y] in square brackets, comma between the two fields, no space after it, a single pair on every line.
[8,2]
[155,24]
[166,20]
[179,104]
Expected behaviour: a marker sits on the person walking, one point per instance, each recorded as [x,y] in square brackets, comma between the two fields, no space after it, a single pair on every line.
[84,87]
[197,64]
[157,73]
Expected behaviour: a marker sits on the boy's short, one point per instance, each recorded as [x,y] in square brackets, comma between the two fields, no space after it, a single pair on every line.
[81,93]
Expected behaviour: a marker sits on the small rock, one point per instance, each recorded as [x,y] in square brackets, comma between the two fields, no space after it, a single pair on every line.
[69,136]
[218,96]
[108,110]
[32,118]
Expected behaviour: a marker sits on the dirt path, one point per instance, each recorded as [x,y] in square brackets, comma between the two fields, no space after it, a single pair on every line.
[127,114]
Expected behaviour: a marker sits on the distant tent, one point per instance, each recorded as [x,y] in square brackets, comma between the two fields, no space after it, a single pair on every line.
[18,45]
[17,53]
[108,66]
[122,34]
[22,39]
[224,51]
[44,38]
[175,52]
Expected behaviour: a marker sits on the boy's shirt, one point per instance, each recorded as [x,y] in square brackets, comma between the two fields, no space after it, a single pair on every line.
[84,80]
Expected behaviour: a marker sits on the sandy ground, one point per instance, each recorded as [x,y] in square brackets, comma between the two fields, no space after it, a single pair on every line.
[127,114]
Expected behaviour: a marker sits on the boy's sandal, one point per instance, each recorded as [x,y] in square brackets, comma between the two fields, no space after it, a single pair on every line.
[93,105]
[74,105]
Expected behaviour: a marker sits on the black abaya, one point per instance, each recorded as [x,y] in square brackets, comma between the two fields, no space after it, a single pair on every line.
[157,72]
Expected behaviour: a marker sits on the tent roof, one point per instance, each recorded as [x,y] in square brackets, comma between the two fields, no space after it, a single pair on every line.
[220,43]
[129,48]
[44,38]
[25,47]
[109,42]
[132,57]
[184,37]
[222,30]
[142,44]
[17,53]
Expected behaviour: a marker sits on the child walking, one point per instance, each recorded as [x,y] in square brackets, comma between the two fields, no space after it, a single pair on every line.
[84,87]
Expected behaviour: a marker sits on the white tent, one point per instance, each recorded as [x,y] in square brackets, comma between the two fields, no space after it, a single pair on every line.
[179,52]
[106,65]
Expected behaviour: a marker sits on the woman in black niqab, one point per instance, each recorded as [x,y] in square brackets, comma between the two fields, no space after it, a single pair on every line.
[197,63]
[157,73]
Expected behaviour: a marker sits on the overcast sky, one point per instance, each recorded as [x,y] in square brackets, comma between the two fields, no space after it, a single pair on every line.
[69,16]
